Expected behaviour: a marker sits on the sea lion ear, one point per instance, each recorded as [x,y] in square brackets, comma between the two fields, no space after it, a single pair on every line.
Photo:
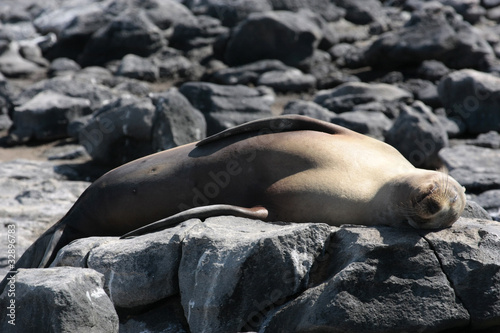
[278,124]
[202,212]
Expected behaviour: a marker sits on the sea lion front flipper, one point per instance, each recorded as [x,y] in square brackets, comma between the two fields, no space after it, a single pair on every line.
[201,212]
[278,124]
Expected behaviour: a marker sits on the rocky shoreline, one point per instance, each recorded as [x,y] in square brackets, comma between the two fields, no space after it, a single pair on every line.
[91,84]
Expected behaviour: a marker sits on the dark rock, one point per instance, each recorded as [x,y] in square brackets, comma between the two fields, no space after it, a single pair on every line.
[247,74]
[488,140]
[474,210]
[131,32]
[346,96]
[176,122]
[175,67]
[453,127]
[63,66]
[423,90]
[286,36]
[327,75]
[166,13]
[473,97]
[374,124]
[490,3]
[165,317]
[140,68]
[203,31]
[356,287]
[120,131]
[81,87]
[474,167]
[229,12]
[328,10]
[361,11]
[213,294]
[64,299]
[227,106]
[434,32]
[468,275]
[292,80]
[418,135]
[46,116]
[490,201]
[310,109]
[432,70]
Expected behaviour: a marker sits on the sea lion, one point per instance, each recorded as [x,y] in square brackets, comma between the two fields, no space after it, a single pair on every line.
[288,168]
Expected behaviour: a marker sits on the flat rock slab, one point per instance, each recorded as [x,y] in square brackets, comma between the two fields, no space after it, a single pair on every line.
[476,168]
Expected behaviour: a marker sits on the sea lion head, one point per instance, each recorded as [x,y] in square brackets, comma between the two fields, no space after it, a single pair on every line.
[436,200]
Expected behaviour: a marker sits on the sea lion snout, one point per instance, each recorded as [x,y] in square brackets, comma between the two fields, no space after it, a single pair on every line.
[436,203]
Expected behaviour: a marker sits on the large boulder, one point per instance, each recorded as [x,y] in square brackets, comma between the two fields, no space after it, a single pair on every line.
[286,36]
[472,97]
[434,32]
[46,116]
[227,106]
[63,299]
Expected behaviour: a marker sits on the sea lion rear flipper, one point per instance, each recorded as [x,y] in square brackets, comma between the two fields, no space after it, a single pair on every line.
[278,124]
[202,212]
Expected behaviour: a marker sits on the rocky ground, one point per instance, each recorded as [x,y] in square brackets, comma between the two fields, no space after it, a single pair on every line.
[86,85]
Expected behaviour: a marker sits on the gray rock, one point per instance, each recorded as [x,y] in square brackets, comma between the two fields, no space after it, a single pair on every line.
[165,317]
[346,96]
[204,31]
[141,270]
[34,196]
[454,127]
[140,68]
[357,287]
[79,86]
[286,36]
[476,168]
[176,67]
[229,12]
[468,257]
[328,10]
[76,253]
[63,66]
[227,106]
[13,64]
[432,70]
[418,135]
[246,74]
[120,131]
[423,90]
[219,266]
[63,299]
[131,32]
[488,140]
[472,96]
[434,32]
[474,210]
[166,13]
[292,80]
[374,124]
[310,109]
[46,116]
[176,122]
[490,201]
[361,11]
[348,33]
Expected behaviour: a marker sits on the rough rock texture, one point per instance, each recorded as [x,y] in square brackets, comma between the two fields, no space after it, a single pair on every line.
[286,36]
[227,106]
[62,299]
[234,274]
[475,168]
[433,32]
[418,125]
[472,97]
[34,195]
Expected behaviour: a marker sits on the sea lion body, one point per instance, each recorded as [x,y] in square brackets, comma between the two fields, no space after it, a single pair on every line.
[310,172]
